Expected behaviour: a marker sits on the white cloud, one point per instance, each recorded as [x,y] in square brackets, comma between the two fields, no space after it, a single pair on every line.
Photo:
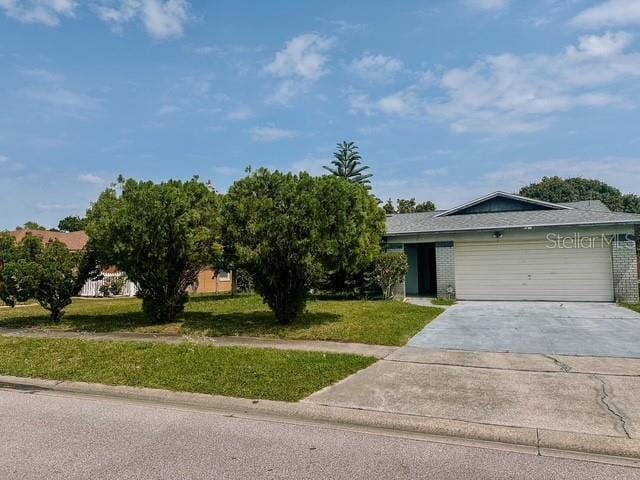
[492,5]
[504,94]
[508,94]
[43,74]
[436,172]
[168,109]
[161,18]
[241,113]
[91,179]
[49,88]
[376,67]
[448,191]
[227,171]
[402,103]
[622,173]
[49,207]
[612,13]
[304,56]
[65,101]
[46,12]
[271,134]
[301,62]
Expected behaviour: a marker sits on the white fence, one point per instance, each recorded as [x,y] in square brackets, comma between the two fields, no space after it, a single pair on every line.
[92,287]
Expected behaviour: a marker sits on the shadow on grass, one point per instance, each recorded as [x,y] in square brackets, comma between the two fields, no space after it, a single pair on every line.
[96,322]
[250,323]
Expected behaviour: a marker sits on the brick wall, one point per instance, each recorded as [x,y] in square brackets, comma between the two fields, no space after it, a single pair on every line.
[445,269]
[625,270]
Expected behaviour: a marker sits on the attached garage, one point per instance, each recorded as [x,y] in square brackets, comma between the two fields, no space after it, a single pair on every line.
[533,270]
[508,247]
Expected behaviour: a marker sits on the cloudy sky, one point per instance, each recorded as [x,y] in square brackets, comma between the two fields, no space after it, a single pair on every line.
[447,99]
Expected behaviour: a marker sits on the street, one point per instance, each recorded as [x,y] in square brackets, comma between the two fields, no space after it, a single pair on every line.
[47,435]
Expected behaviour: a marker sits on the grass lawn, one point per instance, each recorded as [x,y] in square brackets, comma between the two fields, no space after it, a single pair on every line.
[632,306]
[376,322]
[238,372]
[443,301]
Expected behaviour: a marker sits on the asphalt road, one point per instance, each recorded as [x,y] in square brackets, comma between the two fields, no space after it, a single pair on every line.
[62,436]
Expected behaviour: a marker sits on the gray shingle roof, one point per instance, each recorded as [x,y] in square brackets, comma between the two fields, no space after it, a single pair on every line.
[581,213]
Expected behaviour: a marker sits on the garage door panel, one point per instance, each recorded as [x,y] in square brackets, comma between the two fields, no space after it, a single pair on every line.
[532,271]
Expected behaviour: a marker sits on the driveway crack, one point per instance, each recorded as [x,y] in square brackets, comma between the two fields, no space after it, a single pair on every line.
[563,366]
[605,399]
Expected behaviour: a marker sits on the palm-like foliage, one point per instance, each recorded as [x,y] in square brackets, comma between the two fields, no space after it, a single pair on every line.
[348,166]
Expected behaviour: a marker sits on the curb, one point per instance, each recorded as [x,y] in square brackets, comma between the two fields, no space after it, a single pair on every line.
[537,441]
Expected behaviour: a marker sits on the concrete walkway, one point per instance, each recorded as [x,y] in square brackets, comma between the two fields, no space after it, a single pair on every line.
[376,351]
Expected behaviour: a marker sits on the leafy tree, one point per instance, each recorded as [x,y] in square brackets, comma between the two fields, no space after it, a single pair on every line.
[31,225]
[389,271]
[286,230]
[49,273]
[557,189]
[389,208]
[427,206]
[353,224]
[406,206]
[161,235]
[347,164]
[72,224]
[409,206]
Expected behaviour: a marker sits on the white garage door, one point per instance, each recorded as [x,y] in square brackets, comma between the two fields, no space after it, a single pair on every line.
[532,271]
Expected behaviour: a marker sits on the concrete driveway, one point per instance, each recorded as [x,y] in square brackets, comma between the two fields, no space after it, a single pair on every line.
[583,329]
[556,367]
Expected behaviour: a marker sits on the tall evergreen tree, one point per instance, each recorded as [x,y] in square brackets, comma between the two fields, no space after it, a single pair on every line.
[347,164]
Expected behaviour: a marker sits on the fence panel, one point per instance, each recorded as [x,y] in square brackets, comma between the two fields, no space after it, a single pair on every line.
[92,287]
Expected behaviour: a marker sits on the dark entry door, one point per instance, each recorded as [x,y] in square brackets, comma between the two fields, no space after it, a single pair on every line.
[427,269]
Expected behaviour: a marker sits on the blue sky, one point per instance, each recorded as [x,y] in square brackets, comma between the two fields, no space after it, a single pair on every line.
[447,99]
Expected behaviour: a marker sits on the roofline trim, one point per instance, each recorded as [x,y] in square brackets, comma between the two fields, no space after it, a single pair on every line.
[513,227]
[499,193]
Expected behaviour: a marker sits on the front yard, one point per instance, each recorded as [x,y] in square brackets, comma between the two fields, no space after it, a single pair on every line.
[238,372]
[374,322]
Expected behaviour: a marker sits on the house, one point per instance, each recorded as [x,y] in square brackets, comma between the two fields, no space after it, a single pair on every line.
[208,280]
[508,247]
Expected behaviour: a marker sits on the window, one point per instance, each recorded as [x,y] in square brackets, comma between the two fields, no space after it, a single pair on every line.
[223,276]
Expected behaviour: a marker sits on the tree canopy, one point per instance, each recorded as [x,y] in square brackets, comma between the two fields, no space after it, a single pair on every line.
[286,230]
[161,235]
[408,206]
[557,189]
[49,273]
[72,224]
[348,165]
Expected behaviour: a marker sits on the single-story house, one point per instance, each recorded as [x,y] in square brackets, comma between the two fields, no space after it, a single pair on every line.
[508,247]
[208,281]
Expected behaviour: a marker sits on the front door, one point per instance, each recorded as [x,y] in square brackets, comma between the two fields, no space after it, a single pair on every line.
[426,270]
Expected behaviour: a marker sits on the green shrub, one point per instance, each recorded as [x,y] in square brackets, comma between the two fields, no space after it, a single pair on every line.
[389,271]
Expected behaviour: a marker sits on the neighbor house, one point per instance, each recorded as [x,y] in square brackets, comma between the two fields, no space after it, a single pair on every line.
[208,281]
[508,247]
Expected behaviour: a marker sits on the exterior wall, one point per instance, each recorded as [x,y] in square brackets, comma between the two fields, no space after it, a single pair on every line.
[625,269]
[445,270]
[209,282]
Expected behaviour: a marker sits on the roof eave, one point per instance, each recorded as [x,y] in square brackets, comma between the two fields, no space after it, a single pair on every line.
[512,196]
[516,227]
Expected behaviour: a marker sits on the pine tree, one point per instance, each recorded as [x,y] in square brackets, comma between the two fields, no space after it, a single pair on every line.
[348,165]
